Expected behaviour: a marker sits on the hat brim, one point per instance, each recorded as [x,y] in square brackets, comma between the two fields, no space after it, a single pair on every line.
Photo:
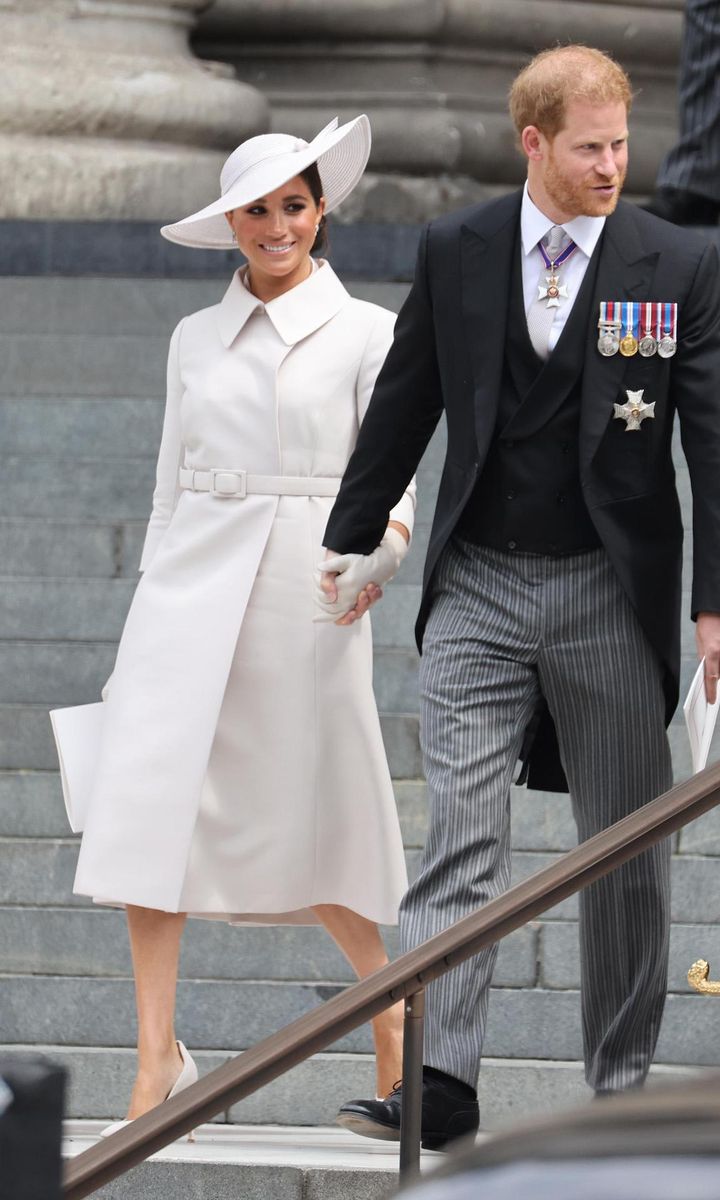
[341,155]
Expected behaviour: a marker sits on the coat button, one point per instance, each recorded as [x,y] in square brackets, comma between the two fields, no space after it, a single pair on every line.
[561,497]
[511,496]
[512,545]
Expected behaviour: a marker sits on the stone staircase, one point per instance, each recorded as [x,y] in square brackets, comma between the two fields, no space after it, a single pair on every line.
[81,386]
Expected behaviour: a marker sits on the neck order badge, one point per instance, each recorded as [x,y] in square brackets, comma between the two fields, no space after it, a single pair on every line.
[555,290]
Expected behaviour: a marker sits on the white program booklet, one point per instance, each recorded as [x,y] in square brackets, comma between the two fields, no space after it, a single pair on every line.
[700,718]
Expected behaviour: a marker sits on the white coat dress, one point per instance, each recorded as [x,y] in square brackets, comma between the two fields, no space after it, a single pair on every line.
[241,771]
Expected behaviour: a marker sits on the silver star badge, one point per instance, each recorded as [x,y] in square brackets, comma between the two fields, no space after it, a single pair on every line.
[554,292]
[634,411]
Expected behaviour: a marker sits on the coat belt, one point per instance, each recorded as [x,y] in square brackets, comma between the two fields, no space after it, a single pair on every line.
[228,483]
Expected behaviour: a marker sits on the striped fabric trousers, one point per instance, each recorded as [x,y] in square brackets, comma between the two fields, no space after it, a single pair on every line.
[693,164]
[502,629]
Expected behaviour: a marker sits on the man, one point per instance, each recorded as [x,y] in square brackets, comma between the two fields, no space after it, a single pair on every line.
[688,183]
[551,604]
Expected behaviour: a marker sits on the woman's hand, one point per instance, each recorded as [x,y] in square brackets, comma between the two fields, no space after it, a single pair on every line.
[349,584]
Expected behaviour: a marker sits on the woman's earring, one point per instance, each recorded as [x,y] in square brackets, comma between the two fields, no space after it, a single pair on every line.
[317,229]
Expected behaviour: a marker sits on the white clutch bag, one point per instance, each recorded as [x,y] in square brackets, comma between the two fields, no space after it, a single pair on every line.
[77,736]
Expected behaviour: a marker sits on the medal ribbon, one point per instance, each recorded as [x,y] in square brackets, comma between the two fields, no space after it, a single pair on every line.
[561,259]
[670,321]
[631,316]
[607,313]
[648,319]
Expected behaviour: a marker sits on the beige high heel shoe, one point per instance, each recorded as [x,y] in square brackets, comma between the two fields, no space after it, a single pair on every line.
[188,1075]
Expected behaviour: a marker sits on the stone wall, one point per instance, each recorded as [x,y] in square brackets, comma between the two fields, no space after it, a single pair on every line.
[433,76]
[106,112]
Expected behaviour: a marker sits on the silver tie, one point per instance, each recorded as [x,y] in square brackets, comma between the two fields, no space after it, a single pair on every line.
[540,317]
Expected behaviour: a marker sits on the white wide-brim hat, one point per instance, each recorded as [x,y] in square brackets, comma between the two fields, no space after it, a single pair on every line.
[264,163]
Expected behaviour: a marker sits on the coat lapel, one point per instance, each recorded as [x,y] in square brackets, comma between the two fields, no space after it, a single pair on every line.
[625,272]
[487,240]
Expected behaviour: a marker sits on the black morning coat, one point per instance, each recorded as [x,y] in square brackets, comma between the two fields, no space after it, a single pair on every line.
[448,355]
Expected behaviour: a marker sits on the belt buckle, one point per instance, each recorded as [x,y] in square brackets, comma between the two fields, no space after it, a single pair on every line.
[226,484]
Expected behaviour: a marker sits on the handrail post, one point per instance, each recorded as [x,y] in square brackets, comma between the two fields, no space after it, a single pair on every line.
[412,1086]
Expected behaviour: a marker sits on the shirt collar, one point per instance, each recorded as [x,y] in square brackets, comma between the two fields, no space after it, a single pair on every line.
[295,314]
[584,231]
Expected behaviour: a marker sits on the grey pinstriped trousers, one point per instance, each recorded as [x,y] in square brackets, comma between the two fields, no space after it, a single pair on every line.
[501,629]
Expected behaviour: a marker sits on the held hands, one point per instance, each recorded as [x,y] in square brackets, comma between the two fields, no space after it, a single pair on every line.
[707,639]
[350,583]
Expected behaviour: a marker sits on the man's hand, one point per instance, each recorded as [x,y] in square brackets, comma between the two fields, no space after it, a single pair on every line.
[707,640]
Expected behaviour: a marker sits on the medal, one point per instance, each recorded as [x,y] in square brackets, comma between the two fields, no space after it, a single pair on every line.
[608,343]
[609,335]
[555,290]
[628,344]
[667,322]
[647,346]
[634,411]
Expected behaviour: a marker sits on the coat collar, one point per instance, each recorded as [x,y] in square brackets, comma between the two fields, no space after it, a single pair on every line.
[295,314]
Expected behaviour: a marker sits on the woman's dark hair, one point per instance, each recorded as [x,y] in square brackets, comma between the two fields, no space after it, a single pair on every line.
[311,176]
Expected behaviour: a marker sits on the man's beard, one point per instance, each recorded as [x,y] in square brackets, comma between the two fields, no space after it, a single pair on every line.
[580,198]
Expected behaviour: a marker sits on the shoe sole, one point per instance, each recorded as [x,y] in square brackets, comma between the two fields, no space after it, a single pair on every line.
[366,1127]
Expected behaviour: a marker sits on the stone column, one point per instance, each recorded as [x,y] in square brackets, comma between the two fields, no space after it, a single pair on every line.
[433,76]
[106,113]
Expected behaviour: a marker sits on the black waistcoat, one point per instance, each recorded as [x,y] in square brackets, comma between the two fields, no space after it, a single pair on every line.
[528,497]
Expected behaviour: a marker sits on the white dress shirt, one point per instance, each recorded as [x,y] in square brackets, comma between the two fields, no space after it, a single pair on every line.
[534,225]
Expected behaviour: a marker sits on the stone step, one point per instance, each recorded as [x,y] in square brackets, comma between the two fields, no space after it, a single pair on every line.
[93,942]
[117,489]
[26,740]
[217,1014]
[89,610]
[71,941]
[83,364]
[101,306]
[59,673]
[100,1078]
[111,489]
[81,428]
[31,806]
[40,871]
[80,549]
[226,1162]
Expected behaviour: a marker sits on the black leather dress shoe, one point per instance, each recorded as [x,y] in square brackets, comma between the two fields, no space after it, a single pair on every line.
[683,208]
[449,1111]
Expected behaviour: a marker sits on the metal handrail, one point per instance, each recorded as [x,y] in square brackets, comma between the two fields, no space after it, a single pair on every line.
[405,977]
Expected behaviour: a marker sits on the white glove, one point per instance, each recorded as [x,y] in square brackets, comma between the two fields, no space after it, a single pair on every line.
[356,571]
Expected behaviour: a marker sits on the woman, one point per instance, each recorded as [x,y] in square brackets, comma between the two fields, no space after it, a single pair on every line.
[227,785]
